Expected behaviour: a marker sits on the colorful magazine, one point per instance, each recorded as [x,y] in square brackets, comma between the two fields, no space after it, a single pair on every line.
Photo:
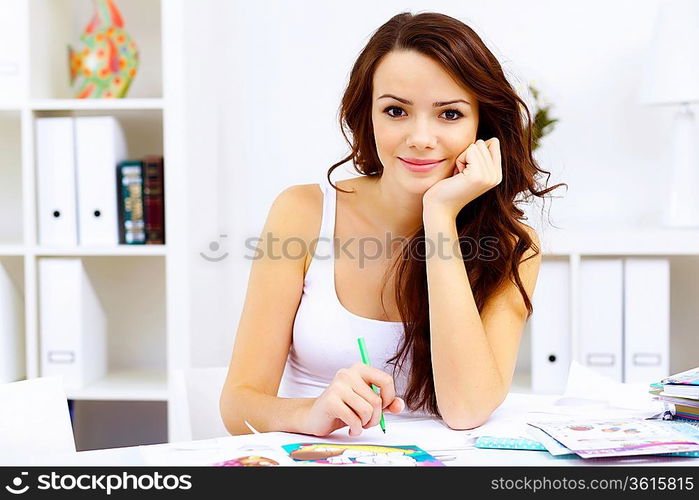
[690,377]
[623,437]
[359,454]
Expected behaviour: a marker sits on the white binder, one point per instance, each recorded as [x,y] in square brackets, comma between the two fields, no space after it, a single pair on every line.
[55,172]
[99,146]
[647,319]
[601,316]
[72,323]
[550,328]
[12,357]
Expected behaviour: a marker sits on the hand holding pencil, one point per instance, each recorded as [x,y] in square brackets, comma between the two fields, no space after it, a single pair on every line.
[350,401]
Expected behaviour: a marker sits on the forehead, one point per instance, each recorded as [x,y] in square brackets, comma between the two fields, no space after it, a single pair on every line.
[416,77]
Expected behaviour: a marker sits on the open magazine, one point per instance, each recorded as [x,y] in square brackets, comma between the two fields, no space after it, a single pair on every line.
[594,438]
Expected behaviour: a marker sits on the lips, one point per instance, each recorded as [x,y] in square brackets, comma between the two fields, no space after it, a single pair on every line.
[423,166]
[417,161]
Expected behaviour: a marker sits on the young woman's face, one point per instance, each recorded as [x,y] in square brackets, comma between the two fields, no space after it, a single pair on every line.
[413,122]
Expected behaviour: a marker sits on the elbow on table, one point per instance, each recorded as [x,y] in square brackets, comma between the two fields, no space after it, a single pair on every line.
[461,420]
[231,421]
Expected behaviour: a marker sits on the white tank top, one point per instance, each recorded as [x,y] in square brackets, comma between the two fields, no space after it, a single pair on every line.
[325,332]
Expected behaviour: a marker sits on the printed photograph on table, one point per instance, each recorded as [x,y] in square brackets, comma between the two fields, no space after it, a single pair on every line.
[360,454]
[249,461]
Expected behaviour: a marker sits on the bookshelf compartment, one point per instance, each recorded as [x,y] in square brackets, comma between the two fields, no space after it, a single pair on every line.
[684,314]
[120,298]
[12,331]
[79,230]
[54,24]
[130,423]
[132,292]
[11,212]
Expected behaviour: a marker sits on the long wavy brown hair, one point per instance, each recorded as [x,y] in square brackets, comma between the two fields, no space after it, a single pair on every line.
[495,214]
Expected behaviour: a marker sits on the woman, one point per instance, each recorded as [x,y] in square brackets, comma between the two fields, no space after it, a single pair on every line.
[440,141]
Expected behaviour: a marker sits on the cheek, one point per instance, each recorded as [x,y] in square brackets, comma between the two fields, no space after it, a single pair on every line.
[387,138]
[457,141]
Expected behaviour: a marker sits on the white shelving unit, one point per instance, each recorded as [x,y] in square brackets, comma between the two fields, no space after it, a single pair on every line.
[679,246]
[138,285]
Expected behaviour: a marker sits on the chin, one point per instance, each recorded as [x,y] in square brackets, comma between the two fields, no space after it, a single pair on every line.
[419,186]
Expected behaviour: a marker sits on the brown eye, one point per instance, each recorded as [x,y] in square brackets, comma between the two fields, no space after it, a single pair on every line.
[388,111]
[455,112]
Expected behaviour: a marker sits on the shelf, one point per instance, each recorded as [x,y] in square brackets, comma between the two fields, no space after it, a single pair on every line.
[12,250]
[128,385]
[119,251]
[641,241]
[11,106]
[95,104]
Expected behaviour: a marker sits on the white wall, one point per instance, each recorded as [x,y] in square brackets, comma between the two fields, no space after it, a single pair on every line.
[265,85]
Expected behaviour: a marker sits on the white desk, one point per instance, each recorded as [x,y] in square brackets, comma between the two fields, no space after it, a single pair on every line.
[430,434]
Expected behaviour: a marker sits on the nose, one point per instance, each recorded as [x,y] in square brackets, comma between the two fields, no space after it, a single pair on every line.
[420,135]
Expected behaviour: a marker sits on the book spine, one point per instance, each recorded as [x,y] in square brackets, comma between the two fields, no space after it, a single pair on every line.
[122,194]
[132,203]
[154,200]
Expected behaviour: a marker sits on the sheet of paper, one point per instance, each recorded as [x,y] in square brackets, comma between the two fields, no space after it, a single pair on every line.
[586,386]
[431,435]
[554,447]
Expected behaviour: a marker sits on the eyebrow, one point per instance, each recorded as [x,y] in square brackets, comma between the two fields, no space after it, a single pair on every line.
[438,104]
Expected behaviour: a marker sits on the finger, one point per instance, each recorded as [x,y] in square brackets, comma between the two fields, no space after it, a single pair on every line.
[468,158]
[367,394]
[396,406]
[489,167]
[359,405]
[484,153]
[480,158]
[494,148]
[460,163]
[380,379]
[345,413]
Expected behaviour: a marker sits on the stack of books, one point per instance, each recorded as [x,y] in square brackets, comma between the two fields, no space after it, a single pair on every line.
[680,393]
[141,203]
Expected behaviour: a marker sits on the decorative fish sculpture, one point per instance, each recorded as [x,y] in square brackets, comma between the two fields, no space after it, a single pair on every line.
[107,63]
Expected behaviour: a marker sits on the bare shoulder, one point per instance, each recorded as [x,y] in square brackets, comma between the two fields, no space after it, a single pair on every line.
[296,209]
[531,232]
[297,213]
[531,260]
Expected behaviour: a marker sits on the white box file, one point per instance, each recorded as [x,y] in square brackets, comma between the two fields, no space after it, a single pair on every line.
[601,317]
[550,328]
[73,326]
[647,320]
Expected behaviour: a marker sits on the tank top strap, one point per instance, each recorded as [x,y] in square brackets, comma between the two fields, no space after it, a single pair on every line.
[321,272]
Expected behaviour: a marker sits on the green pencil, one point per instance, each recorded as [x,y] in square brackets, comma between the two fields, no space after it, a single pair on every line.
[365,359]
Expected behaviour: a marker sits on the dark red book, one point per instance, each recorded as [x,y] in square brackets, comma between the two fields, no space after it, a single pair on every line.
[154,199]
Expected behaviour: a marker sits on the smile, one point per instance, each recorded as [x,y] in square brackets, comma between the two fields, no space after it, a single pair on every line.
[423,166]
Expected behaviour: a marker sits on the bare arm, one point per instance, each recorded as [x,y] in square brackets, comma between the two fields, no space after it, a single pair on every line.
[473,355]
[265,328]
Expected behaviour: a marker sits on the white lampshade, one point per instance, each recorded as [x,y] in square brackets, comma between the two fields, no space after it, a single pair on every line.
[671,72]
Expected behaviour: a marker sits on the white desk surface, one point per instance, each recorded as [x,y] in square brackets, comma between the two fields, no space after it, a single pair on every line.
[430,434]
